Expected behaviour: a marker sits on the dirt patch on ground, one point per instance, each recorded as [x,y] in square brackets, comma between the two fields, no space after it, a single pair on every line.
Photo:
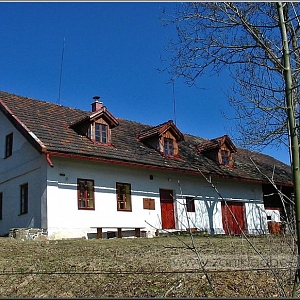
[211,266]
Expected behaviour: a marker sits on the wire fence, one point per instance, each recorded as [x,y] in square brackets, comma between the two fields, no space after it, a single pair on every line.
[162,267]
[85,283]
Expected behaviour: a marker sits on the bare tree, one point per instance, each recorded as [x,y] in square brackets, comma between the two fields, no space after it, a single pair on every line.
[258,43]
[245,38]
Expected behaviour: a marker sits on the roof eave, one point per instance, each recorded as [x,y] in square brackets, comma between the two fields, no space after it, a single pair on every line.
[156,167]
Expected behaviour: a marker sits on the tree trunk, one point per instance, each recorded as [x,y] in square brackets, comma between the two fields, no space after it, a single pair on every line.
[293,132]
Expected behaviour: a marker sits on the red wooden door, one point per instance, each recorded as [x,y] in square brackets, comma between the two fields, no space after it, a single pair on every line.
[233,217]
[167,209]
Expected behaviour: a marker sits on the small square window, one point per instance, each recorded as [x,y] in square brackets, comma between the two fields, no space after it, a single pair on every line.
[149,203]
[123,196]
[8,145]
[85,189]
[190,204]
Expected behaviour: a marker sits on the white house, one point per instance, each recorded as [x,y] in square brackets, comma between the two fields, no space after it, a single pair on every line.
[70,172]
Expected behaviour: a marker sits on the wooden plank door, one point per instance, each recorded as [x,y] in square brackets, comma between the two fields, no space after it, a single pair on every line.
[167,209]
[233,217]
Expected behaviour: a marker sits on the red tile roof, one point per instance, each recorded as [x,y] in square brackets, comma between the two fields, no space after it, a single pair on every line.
[47,127]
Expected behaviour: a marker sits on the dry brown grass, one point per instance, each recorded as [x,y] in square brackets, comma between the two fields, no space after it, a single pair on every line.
[158,267]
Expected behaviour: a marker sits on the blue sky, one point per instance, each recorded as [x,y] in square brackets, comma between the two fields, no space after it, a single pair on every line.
[113,50]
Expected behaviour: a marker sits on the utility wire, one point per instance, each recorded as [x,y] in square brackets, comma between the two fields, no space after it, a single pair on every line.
[174,103]
[61,69]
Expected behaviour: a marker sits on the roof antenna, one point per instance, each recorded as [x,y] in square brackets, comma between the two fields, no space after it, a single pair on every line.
[174,103]
[61,69]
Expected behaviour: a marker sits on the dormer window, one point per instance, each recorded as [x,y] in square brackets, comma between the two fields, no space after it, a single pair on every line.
[97,126]
[168,146]
[163,138]
[219,150]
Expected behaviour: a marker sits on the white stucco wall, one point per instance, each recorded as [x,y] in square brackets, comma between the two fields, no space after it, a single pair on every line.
[208,215]
[273,214]
[65,220]
[25,165]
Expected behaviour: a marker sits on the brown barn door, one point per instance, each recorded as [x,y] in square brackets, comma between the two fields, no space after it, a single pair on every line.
[233,224]
[167,209]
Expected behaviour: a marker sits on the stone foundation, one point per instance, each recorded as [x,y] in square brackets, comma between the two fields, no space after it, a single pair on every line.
[27,234]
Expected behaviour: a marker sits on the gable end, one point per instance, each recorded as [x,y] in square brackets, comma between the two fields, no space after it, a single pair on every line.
[21,127]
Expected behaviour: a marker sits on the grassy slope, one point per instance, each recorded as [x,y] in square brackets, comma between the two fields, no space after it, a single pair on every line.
[159,267]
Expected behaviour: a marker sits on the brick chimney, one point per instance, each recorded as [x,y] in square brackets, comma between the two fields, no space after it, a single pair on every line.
[96,105]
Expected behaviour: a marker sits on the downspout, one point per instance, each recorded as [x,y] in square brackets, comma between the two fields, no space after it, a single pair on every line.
[48,159]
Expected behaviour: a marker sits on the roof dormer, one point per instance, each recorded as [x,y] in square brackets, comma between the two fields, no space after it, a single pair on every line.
[219,150]
[164,138]
[97,126]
